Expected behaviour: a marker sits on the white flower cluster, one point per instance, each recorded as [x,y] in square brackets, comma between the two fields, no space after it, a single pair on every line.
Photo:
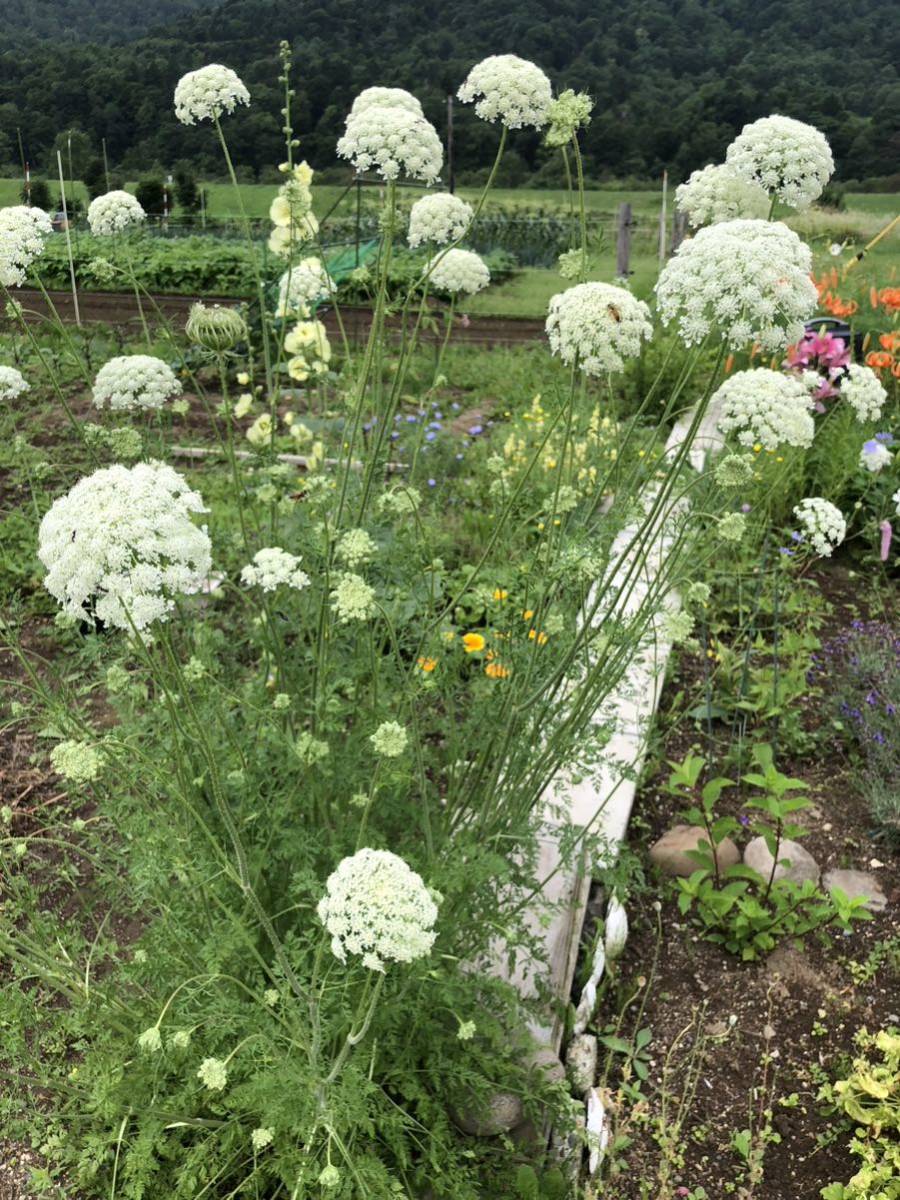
[205,94]
[719,193]
[355,547]
[597,324]
[386,97]
[748,278]
[273,568]
[304,284]
[766,408]
[114,213]
[513,90]
[22,233]
[864,392]
[392,141]
[135,381]
[78,762]
[378,907]
[785,157]
[822,522]
[121,545]
[439,218]
[352,598]
[12,383]
[390,739]
[459,271]
[875,456]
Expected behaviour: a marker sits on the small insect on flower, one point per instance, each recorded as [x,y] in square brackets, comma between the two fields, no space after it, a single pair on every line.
[473,642]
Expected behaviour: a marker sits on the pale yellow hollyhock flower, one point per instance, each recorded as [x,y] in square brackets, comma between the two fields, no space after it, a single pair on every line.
[301,433]
[303,173]
[260,432]
[298,369]
[243,405]
[309,335]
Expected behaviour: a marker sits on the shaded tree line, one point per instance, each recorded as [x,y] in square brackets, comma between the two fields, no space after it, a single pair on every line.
[672,80]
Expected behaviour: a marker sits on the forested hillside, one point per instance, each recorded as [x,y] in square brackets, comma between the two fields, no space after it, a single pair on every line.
[673,80]
[86,20]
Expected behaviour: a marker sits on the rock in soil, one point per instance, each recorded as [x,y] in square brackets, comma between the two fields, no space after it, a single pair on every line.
[800,865]
[670,853]
[581,1062]
[857,884]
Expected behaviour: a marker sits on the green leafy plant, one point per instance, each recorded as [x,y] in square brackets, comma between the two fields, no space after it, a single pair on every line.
[736,906]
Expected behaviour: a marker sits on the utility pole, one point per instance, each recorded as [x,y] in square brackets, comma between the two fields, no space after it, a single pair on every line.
[451,180]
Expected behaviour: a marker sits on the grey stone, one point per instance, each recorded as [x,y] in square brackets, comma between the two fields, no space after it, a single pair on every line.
[857,884]
[581,1062]
[504,1112]
[670,853]
[500,1113]
[800,866]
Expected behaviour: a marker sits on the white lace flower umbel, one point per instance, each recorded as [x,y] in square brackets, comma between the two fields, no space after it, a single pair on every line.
[438,219]
[206,94]
[719,193]
[766,408]
[135,381]
[822,523]
[509,89]
[22,233]
[459,271]
[598,325]
[386,97]
[747,280]
[377,907]
[393,142]
[121,545]
[114,213]
[784,157]
[864,392]
[12,383]
[273,568]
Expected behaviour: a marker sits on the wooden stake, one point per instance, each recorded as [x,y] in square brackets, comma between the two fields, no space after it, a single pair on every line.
[62,196]
[623,241]
[662,220]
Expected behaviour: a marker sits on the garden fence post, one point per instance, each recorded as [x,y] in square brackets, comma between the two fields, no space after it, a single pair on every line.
[623,240]
[662,220]
[451,178]
[679,229]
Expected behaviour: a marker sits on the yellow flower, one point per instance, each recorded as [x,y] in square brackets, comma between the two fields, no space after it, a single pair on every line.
[298,368]
[303,173]
[243,378]
[541,637]
[495,670]
[500,594]
[527,614]
[473,642]
[427,664]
